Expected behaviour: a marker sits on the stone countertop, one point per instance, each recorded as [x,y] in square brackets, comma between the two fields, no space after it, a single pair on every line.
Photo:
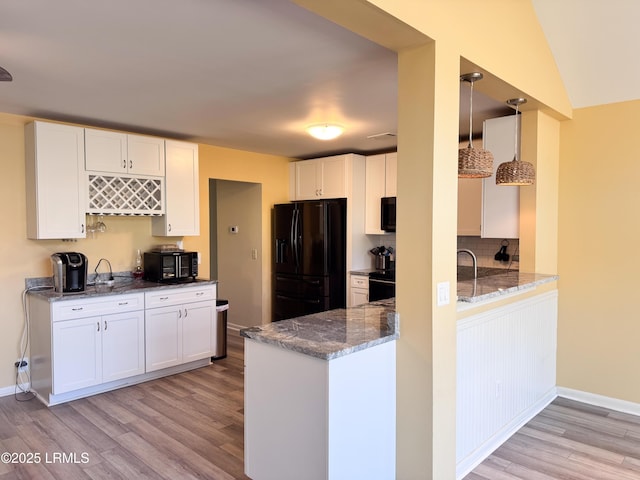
[43,287]
[332,334]
[496,285]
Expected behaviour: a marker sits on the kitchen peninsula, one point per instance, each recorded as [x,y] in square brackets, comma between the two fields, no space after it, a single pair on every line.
[322,387]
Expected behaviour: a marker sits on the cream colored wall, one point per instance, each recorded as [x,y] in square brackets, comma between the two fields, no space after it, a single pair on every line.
[271,171]
[25,258]
[599,327]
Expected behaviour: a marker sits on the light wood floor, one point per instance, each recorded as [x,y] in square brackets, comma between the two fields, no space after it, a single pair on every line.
[186,426]
[190,426]
[568,440]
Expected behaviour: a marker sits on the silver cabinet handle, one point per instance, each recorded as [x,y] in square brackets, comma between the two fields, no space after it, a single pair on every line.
[98,323]
[169,228]
[105,325]
[179,313]
[199,294]
[124,163]
[82,228]
[163,298]
[123,303]
[130,164]
[186,312]
[77,309]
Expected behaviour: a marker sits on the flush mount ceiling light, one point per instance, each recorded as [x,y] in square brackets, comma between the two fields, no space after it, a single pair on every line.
[515,172]
[473,162]
[5,76]
[325,131]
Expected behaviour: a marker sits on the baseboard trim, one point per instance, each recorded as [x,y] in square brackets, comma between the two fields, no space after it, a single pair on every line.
[475,458]
[11,390]
[616,404]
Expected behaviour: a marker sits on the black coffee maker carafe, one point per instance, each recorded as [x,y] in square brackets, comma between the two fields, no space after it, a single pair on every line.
[69,272]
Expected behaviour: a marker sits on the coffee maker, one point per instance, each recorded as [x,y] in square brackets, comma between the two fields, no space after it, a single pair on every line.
[69,272]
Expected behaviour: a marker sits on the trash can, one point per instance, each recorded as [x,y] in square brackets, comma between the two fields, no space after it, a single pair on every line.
[220,348]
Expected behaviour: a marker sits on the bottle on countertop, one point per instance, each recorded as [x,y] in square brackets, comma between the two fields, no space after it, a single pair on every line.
[137,272]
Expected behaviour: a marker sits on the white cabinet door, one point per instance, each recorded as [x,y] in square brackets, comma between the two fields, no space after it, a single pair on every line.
[197,331]
[77,354]
[105,151]
[55,183]
[359,296]
[182,212]
[163,337]
[391,175]
[122,345]
[120,153]
[307,180]
[500,204]
[375,189]
[321,178]
[333,177]
[145,155]
[469,206]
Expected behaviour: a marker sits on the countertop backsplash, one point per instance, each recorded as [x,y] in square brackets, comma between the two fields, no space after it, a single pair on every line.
[485,250]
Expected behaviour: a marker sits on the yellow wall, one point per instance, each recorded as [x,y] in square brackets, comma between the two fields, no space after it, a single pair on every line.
[599,327]
[25,258]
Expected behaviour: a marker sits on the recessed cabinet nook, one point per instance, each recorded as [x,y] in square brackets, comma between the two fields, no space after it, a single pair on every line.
[72,171]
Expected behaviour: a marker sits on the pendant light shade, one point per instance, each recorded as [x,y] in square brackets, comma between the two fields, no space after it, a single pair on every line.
[515,172]
[473,162]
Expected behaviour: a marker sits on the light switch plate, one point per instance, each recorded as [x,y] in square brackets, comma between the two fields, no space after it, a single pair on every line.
[443,294]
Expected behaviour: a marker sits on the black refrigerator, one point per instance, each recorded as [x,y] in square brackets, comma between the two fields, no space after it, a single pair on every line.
[310,245]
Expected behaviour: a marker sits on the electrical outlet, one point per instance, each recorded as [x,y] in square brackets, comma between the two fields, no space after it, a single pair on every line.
[21,364]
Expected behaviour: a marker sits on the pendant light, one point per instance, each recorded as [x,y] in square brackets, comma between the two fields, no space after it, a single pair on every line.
[473,162]
[515,172]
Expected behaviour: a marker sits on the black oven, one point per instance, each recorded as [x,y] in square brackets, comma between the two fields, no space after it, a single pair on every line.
[382,285]
[388,214]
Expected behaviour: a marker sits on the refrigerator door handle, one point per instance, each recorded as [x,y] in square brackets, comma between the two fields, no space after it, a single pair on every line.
[296,237]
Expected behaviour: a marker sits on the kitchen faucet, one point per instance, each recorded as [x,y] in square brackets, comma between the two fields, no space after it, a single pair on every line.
[473,258]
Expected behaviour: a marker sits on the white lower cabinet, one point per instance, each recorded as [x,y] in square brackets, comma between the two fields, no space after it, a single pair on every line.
[179,326]
[94,350]
[358,290]
[83,345]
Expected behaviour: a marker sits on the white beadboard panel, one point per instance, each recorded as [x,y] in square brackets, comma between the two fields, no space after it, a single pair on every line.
[506,369]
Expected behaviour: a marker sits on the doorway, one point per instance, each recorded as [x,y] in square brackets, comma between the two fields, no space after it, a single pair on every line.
[235,210]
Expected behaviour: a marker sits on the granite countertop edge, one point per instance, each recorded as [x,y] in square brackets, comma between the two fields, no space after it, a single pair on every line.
[322,335]
[502,284]
[43,287]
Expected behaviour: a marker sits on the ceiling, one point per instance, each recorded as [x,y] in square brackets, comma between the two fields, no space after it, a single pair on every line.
[189,69]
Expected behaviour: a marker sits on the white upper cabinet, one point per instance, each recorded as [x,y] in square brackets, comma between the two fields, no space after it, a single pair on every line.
[182,212]
[381,179]
[484,208]
[55,183]
[121,153]
[500,204]
[320,178]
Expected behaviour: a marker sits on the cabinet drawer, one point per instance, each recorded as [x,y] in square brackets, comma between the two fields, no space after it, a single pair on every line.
[359,281]
[89,307]
[177,296]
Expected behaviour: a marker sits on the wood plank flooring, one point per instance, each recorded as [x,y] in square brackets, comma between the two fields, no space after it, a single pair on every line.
[190,426]
[568,440]
[186,426]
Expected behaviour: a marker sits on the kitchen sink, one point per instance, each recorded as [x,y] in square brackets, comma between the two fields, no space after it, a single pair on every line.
[466,273]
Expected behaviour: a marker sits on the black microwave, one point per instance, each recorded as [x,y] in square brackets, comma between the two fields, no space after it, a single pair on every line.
[388,214]
[170,267]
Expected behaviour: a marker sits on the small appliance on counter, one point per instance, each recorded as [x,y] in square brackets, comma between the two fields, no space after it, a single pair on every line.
[69,272]
[384,258]
[170,266]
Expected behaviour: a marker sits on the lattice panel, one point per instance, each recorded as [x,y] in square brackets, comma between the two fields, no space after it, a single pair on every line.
[113,195]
